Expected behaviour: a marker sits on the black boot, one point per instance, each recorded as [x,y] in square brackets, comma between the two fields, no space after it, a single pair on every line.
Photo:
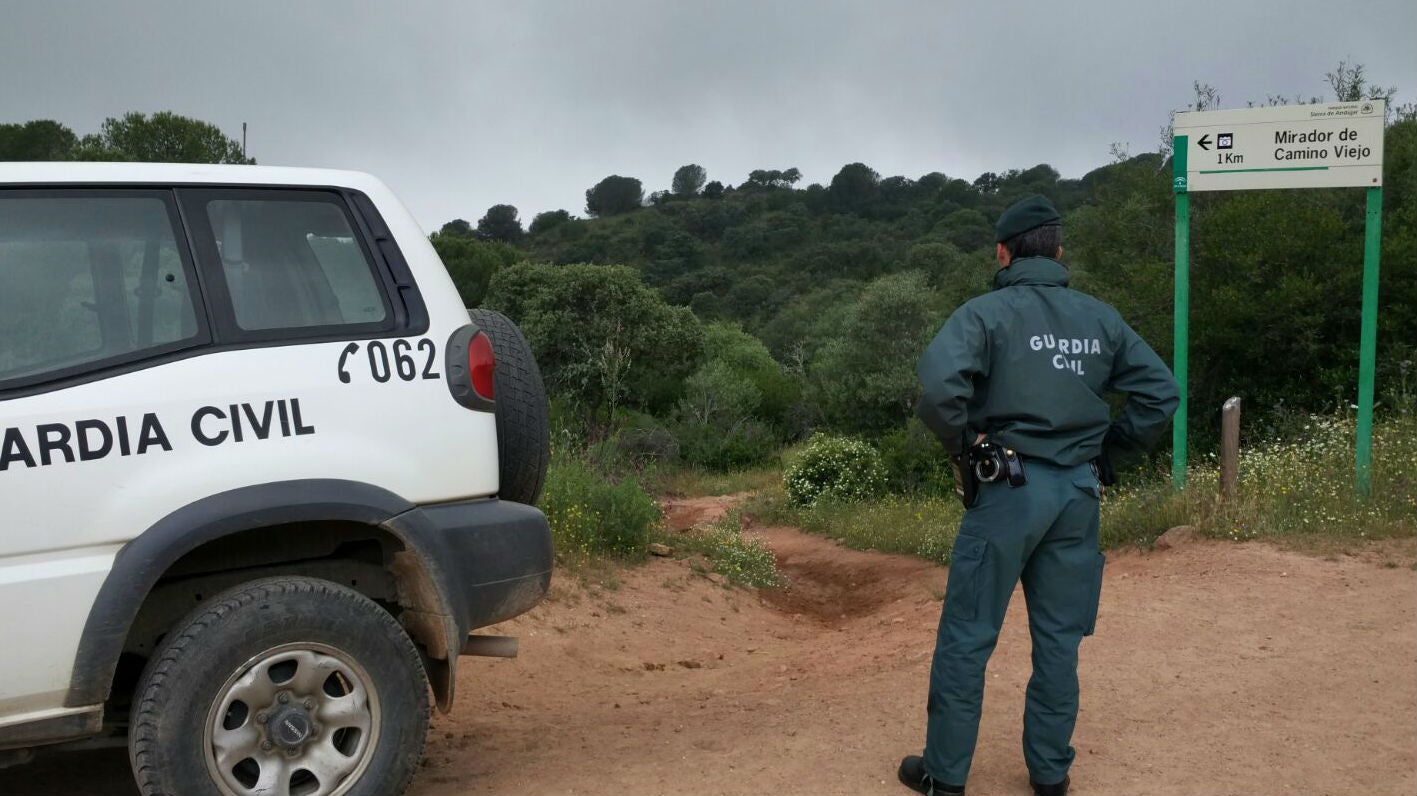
[1056,789]
[912,775]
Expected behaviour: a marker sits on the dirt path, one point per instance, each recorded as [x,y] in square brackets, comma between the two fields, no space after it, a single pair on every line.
[1216,669]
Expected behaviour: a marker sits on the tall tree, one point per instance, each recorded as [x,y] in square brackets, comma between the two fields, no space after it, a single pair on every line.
[773,178]
[548,220]
[41,139]
[864,378]
[688,180]
[472,262]
[600,335]
[457,228]
[854,187]
[500,223]
[614,195]
[163,137]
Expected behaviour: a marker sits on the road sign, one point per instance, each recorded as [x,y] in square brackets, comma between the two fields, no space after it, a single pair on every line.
[1288,146]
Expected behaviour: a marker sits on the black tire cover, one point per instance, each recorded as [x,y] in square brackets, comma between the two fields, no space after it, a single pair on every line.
[523,425]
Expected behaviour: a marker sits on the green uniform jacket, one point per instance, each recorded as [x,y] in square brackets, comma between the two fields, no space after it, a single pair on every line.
[1029,364]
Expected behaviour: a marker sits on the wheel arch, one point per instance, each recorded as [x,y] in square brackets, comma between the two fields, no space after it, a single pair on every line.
[143,563]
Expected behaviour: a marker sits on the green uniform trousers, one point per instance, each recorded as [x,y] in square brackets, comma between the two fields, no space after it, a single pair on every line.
[1044,533]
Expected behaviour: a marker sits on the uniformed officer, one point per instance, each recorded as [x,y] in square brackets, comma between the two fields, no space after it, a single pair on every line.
[1026,367]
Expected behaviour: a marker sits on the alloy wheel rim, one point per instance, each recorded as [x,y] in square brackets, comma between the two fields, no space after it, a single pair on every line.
[295,720]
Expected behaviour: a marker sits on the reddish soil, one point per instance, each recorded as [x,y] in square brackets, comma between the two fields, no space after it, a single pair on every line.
[1217,668]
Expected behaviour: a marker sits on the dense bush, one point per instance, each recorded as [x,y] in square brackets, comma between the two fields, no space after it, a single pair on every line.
[471,262]
[864,377]
[745,444]
[645,446]
[602,338]
[833,468]
[915,461]
[592,515]
[734,407]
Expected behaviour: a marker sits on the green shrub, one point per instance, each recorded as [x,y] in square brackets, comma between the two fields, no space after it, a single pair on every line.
[863,377]
[745,444]
[915,461]
[645,446]
[734,406]
[836,468]
[591,515]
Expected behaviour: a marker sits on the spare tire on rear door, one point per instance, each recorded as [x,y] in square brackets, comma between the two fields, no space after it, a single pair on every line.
[523,433]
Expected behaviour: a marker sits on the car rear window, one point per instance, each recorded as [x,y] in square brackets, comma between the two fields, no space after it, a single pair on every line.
[293,263]
[88,279]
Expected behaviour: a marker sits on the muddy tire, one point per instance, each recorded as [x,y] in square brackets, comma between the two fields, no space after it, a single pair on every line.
[523,424]
[284,686]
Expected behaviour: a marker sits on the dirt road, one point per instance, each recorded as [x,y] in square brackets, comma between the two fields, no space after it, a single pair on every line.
[1216,669]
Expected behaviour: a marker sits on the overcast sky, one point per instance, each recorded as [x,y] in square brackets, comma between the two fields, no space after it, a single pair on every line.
[461,105]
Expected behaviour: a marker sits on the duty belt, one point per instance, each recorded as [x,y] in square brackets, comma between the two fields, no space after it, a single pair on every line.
[986,463]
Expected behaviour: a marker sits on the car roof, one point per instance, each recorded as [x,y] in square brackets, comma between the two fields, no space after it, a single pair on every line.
[48,173]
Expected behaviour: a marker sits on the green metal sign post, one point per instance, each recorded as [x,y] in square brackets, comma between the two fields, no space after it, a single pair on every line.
[1368,334]
[1182,324]
[1257,149]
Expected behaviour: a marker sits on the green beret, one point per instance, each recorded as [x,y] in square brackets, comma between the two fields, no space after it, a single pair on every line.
[1025,214]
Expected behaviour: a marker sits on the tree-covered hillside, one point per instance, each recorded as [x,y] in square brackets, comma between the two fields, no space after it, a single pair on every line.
[716,319]
[845,282]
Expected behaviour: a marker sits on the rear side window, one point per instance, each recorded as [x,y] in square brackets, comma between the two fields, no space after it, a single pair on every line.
[89,279]
[289,261]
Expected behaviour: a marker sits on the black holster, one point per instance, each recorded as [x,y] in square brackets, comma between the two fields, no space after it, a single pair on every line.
[966,483]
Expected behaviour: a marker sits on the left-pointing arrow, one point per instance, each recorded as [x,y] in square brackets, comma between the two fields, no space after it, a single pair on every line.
[1205,142]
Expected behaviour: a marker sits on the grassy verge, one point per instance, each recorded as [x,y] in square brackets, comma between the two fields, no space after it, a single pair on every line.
[740,559]
[594,516]
[599,518]
[922,526]
[695,482]
[1299,493]
[1290,491]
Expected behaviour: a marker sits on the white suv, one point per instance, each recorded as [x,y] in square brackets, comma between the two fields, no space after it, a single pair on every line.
[252,447]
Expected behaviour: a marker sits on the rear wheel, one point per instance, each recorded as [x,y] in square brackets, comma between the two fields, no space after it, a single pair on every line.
[282,686]
[523,425]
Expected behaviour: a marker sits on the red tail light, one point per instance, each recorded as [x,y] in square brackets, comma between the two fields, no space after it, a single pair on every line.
[481,364]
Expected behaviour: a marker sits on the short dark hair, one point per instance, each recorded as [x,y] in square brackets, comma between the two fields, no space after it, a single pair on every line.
[1037,242]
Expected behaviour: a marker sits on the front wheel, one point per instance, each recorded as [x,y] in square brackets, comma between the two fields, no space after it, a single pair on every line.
[283,686]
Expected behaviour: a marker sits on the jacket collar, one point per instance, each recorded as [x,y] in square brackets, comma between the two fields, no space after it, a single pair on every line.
[1032,271]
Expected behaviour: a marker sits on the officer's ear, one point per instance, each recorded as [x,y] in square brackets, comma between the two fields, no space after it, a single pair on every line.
[1059,254]
[1001,253]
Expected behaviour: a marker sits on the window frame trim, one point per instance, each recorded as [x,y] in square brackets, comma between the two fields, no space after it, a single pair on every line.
[195,289]
[227,331]
[410,311]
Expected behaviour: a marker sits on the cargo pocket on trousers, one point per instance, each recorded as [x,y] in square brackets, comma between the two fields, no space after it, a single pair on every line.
[966,576]
[1096,596]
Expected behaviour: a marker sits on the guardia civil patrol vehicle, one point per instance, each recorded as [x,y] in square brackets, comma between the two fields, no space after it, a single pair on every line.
[261,474]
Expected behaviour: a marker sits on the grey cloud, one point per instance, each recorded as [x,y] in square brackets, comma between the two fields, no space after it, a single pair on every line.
[463,105]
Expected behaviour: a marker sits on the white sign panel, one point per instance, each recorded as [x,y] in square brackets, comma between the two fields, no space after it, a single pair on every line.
[1289,146]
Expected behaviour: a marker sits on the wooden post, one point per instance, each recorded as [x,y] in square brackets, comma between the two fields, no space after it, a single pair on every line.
[1229,447]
